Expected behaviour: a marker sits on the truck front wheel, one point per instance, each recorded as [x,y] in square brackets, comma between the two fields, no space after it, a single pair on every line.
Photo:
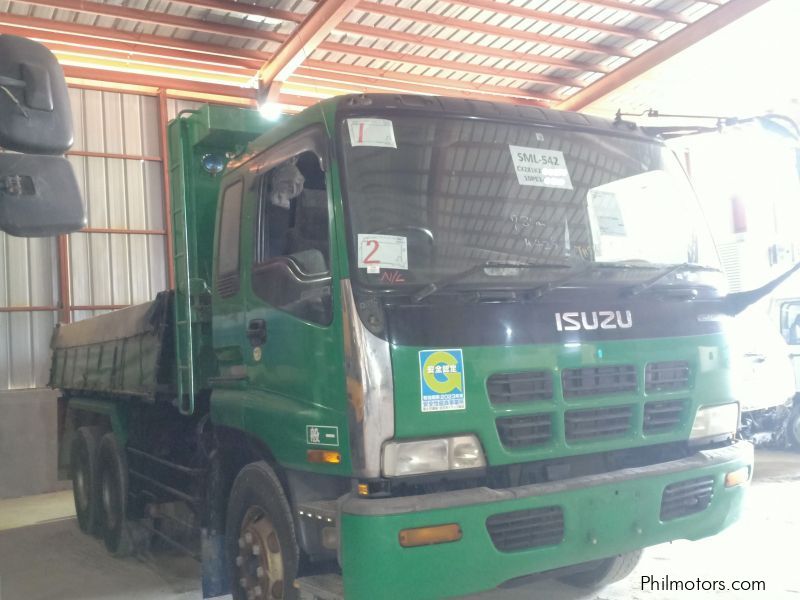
[608,571]
[113,475]
[793,426]
[83,467]
[259,536]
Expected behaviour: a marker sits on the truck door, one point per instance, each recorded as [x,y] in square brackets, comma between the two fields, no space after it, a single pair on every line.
[295,365]
[790,328]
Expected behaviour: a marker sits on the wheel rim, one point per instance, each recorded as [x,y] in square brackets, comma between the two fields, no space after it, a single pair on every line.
[82,485]
[260,561]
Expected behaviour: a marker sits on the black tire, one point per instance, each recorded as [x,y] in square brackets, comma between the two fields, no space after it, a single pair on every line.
[260,542]
[609,571]
[113,502]
[85,485]
[793,426]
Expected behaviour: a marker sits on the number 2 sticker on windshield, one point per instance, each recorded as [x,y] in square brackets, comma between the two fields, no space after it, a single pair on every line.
[376,252]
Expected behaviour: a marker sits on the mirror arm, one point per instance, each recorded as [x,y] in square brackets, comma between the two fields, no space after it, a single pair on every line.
[738,301]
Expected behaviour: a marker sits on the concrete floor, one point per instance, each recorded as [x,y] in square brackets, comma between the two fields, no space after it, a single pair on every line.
[43,556]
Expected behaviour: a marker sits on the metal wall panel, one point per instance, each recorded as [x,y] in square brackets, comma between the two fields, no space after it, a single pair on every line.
[120,192]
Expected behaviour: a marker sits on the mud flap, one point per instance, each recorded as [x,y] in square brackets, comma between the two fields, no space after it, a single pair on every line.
[215,579]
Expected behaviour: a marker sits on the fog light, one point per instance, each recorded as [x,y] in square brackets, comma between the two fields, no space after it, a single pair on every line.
[426,536]
[737,477]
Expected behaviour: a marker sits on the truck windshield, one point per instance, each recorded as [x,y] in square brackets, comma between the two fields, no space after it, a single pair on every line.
[431,197]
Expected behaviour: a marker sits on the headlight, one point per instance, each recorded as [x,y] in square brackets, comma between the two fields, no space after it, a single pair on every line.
[430,456]
[713,421]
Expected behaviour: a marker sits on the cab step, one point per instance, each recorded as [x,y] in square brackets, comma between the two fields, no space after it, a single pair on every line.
[320,587]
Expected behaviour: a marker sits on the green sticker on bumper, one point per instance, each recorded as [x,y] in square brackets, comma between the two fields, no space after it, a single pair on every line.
[322,435]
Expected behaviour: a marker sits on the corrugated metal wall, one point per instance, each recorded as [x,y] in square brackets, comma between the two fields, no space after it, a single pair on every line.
[116,157]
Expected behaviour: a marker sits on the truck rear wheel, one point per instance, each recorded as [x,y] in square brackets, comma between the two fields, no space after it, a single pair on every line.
[259,537]
[113,477]
[83,467]
[606,572]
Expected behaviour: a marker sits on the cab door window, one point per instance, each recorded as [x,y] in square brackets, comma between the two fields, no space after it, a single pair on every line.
[291,267]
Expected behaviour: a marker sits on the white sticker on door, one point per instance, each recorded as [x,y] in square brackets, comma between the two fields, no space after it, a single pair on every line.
[376,252]
[541,168]
[371,132]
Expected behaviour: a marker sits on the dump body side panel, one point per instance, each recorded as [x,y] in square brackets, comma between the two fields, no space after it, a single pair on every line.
[125,353]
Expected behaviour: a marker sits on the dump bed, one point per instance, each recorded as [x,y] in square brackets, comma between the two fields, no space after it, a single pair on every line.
[128,352]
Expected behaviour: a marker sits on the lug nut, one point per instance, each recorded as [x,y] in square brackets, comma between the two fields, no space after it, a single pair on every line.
[260,572]
[256,550]
[248,537]
[239,561]
[241,542]
[243,582]
[257,591]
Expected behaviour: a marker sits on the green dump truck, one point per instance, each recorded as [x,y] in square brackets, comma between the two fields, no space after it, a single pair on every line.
[418,347]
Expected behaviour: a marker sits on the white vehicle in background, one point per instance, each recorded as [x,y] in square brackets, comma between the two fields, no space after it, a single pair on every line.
[785,311]
[766,378]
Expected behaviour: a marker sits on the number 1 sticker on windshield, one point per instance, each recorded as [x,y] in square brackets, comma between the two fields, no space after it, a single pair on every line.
[371,132]
[376,252]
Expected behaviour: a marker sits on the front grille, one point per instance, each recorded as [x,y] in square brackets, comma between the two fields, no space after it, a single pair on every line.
[504,388]
[525,430]
[597,423]
[598,381]
[523,529]
[663,415]
[666,376]
[686,497]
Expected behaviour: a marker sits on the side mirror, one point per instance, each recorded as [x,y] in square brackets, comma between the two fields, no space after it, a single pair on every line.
[39,196]
[34,105]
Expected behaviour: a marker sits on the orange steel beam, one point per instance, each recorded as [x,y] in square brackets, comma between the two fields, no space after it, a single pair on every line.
[163,120]
[382,33]
[418,16]
[77,33]
[122,230]
[719,18]
[64,279]
[438,63]
[245,8]
[49,31]
[395,82]
[641,11]
[112,75]
[322,19]
[558,19]
[155,18]
[113,155]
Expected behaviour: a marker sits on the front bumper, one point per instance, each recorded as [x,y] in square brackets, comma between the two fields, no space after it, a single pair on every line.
[603,515]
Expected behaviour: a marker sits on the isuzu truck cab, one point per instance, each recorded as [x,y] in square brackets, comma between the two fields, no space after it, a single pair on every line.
[419,347]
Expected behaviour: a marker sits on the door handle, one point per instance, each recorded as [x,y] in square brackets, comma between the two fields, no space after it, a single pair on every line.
[257,332]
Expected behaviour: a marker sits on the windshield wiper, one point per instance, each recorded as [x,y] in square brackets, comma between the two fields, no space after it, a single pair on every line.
[682,267]
[435,286]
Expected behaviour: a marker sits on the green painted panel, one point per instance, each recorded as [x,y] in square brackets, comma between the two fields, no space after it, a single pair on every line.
[710,384]
[376,566]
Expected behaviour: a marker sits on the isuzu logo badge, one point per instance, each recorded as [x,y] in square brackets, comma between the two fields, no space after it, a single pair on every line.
[596,319]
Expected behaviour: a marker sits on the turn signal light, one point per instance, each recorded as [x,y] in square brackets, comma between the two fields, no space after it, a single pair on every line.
[425,536]
[324,456]
[737,477]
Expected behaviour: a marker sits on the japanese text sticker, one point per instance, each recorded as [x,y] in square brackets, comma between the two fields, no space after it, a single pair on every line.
[541,168]
[442,380]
